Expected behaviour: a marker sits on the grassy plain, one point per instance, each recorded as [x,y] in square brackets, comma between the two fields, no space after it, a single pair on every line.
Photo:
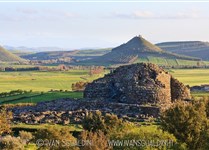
[169,61]
[191,76]
[38,82]
[72,127]
[36,97]
[42,81]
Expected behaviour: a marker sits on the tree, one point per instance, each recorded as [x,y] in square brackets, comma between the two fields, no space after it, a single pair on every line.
[96,70]
[94,122]
[5,120]
[188,123]
[79,86]
[206,99]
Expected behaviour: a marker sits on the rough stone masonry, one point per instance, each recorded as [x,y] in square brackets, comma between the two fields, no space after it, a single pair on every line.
[140,83]
[132,92]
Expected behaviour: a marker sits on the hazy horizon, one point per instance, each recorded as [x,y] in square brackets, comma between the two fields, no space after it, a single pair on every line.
[100,25]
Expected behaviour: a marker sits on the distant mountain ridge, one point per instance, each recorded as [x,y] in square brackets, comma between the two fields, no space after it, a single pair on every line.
[190,48]
[77,54]
[33,49]
[6,56]
[138,48]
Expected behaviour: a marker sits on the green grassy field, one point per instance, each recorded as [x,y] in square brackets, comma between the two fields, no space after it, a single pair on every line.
[72,127]
[191,76]
[39,97]
[43,81]
[168,61]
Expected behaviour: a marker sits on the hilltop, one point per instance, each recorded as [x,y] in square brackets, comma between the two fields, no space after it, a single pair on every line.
[189,48]
[139,49]
[6,56]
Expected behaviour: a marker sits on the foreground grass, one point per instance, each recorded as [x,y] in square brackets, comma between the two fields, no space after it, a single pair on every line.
[72,127]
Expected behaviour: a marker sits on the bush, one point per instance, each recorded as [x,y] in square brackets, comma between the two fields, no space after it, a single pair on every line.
[11,143]
[141,138]
[107,123]
[94,141]
[61,138]
[5,120]
[188,123]
[79,86]
[26,137]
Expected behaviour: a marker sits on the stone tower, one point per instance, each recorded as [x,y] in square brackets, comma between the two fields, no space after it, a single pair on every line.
[138,84]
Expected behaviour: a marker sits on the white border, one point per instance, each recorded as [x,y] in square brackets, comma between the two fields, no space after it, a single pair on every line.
[104,1]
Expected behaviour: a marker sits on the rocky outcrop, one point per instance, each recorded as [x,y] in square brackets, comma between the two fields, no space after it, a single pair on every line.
[67,111]
[138,84]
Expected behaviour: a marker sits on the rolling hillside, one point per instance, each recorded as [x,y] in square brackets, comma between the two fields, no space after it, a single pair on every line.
[190,48]
[140,50]
[6,56]
[76,54]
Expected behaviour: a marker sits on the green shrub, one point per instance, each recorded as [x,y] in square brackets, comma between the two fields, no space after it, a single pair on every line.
[60,138]
[94,141]
[188,123]
[108,123]
[5,120]
[11,143]
[26,137]
[142,138]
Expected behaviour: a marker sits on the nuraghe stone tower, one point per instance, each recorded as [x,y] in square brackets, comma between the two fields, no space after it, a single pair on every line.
[138,84]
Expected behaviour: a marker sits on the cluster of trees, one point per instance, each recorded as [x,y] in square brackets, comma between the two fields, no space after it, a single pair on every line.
[79,86]
[38,68]
[14,92]
[189,123]
[19,69]
[77,67]
[52,61]
[96,70]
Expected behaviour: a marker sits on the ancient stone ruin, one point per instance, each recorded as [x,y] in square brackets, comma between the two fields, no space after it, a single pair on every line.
[134,92]
[138,84]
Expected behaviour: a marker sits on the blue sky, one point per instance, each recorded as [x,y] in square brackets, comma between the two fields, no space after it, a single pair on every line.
[81,25]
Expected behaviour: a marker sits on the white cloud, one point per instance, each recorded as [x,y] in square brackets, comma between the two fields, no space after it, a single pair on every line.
[189,14]
[23,14]
[143,14]
[27,11]
[59,13]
